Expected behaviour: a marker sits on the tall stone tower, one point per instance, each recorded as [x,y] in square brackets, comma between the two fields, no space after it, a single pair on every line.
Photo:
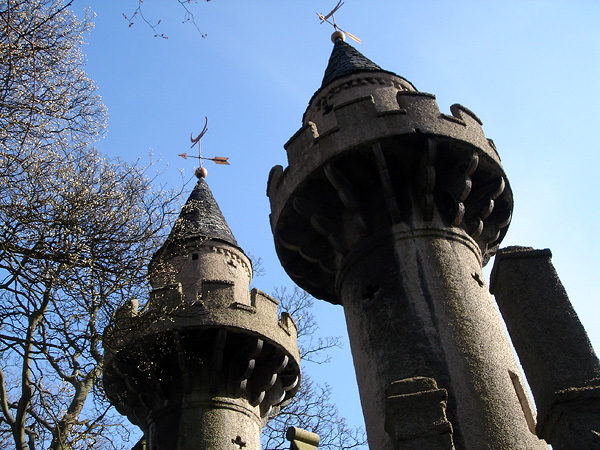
[205,362]
[390,208]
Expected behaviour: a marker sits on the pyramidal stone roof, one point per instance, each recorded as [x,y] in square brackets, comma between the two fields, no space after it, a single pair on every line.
[200,218]
[346,60]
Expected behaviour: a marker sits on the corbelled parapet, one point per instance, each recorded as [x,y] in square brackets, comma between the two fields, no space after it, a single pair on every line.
[405,149]
[204,363]
[246,350]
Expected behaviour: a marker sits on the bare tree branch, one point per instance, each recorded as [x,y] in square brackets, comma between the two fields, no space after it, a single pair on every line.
[188,16]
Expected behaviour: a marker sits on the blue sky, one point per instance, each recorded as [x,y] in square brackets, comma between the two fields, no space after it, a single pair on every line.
[529,69]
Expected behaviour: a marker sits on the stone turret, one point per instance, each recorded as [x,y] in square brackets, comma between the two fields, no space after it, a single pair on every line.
[204,363]
[561,366]
[390,208]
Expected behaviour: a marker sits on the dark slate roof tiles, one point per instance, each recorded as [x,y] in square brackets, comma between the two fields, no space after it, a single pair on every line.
[201,217]
[346,60]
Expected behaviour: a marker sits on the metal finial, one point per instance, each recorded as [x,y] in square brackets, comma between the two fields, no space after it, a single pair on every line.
[338,33]
[201,172]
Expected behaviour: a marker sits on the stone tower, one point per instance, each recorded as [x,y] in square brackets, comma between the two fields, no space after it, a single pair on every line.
[204,363]
[561,366]
[391,208]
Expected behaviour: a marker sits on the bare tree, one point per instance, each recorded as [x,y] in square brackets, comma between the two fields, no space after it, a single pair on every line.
[311,408]
[45,95]
[76,233]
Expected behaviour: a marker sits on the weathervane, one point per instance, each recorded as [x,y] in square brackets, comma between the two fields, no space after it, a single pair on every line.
[339,33]
[201,172]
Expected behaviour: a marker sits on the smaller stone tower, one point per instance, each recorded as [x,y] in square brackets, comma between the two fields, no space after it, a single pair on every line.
[204,363]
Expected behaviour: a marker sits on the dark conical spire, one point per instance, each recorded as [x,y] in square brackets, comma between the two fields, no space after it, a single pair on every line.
[201,217]
[346,60]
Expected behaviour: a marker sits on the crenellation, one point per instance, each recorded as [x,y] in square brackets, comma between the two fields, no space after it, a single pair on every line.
[392,112]
[243,307]
[460,111]
[287,323]
[304,137]
[454,119]
[275,177]
[166,298]
[356,109]
[415,112]
[128,310]
[448,169]
[322,101]
[333,128]
[262,298]
[218,293]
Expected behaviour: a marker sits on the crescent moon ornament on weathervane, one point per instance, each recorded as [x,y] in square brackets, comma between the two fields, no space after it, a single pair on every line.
[201,172]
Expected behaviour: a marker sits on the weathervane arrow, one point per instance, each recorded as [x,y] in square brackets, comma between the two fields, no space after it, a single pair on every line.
[216,159]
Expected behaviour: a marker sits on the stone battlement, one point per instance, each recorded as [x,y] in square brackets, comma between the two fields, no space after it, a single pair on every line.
[260,317]
[415,112]
[412,114]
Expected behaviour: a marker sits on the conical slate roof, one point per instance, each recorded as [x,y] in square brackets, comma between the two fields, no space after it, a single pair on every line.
[346,60]
[201,217]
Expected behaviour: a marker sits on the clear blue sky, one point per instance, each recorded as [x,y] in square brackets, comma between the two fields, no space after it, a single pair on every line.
[529,69]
